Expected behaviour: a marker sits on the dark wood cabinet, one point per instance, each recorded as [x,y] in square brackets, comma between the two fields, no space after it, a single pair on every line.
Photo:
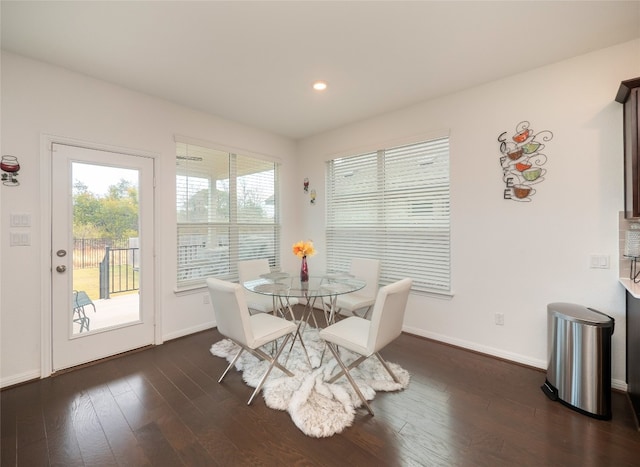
[629,96]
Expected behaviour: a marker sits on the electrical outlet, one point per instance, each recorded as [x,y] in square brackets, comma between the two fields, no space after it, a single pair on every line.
[499,319]
[205,299]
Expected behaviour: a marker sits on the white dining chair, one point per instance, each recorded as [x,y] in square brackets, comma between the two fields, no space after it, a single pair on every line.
[253,269]
[367,337]
[248,331]
[359,303]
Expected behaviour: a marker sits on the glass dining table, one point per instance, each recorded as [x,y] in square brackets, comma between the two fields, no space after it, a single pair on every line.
[326,287]
[281,286]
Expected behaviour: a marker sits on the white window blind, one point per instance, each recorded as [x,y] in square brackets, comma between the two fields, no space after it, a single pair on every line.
[227,211]
[393,205]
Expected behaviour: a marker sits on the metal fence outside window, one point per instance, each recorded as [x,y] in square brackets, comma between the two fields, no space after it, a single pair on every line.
[118,262]
[89,252]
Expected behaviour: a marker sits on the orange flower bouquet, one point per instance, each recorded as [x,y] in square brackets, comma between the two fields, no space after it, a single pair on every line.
[303,249]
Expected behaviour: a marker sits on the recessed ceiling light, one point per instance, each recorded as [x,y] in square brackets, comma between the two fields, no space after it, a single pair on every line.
[320,85]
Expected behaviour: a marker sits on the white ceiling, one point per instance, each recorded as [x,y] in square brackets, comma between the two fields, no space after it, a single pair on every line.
[254,61]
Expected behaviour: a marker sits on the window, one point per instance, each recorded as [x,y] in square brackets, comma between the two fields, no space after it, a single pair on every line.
[393,204]
[227,212]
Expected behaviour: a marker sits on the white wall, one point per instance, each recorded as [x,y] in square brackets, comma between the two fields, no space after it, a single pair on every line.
[511,257]
[507,257]
[40,99]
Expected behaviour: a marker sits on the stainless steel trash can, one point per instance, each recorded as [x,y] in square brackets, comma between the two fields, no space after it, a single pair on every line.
[579,349]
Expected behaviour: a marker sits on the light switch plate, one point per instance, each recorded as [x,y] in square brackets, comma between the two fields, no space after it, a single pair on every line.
[599,262]
[20,219]
[20,239]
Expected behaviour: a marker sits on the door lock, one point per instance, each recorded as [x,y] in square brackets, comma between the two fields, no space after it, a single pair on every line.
[61,268]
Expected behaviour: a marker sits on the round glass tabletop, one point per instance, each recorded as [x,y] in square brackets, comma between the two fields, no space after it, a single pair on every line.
[284,284]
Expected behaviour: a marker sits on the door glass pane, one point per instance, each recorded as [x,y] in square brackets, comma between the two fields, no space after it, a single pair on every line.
[106,251]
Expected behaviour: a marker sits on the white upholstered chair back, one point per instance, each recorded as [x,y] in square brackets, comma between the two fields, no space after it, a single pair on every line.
[231,311]
[388,314]
[369,270]
[249,332]
[252,269]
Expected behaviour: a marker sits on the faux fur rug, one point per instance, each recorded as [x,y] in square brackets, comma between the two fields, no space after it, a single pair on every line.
[317,408]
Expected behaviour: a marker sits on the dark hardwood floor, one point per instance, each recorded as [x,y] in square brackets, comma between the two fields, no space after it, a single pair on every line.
[163,407]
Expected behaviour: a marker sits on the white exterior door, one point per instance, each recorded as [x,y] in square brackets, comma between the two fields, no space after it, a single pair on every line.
[102,254]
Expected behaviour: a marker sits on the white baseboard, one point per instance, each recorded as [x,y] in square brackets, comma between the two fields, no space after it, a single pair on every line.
[491,351]
[187,331]
[20,378]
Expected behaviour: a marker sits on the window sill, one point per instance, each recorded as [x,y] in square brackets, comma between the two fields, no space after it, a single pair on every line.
[190,290]
[438,295]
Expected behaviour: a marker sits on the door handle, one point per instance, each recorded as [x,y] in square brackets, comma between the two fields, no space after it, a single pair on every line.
[61,268]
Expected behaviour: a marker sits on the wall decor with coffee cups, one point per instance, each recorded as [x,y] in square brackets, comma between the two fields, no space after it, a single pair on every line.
[522,161]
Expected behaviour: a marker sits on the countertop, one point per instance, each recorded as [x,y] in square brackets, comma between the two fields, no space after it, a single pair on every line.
[632,288]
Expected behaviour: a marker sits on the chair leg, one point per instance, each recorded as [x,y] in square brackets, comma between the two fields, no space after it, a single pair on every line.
[361,359]
[231,364]
[85,318]
[386,367]
[274,361]
[304,347]
[354,364]
[258,353]
[334,350]
[82,319]
[365,315]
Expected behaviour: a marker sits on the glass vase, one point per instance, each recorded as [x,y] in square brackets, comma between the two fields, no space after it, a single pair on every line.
[304,270]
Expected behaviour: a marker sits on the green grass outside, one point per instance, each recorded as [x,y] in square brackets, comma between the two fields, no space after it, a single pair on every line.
[89,280]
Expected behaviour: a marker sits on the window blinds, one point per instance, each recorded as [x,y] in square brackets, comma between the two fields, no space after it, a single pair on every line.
[393,205]
[227,211]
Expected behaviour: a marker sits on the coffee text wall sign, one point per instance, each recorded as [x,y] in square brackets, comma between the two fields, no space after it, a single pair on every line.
[522,161]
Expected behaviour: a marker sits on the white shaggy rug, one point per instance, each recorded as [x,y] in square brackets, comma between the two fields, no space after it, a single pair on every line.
[317,408]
